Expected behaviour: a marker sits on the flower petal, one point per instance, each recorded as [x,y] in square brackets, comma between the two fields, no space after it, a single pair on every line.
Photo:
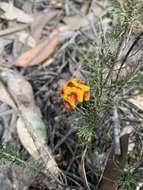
[74,90]
[86,96]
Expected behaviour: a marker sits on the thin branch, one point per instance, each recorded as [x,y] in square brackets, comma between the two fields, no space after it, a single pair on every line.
[116,131]
[128,52]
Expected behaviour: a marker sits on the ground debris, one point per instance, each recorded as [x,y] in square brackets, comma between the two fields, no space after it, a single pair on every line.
[43,45]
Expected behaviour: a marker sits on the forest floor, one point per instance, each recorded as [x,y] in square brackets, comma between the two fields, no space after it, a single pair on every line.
[97,143]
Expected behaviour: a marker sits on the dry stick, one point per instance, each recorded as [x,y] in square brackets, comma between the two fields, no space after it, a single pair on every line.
[83,172]
[64,139]
[116,124]
[74,158]
[72,176]
[101,176]
[121,44]
[13,30]
[116,131]
[6,112]
[129,51]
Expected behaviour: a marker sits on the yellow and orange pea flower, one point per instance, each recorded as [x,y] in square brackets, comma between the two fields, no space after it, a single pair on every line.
[74,91]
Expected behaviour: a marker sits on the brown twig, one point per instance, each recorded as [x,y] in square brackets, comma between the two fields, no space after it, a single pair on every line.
[13,30]
[116,131]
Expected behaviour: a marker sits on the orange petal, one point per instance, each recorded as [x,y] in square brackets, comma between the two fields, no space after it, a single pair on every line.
[66,105]
[80,81]
[71,101]
[70,83]
[74,90]
[87,96]
[74,96]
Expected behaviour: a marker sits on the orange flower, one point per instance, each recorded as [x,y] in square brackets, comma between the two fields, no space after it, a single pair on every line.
[73,91]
